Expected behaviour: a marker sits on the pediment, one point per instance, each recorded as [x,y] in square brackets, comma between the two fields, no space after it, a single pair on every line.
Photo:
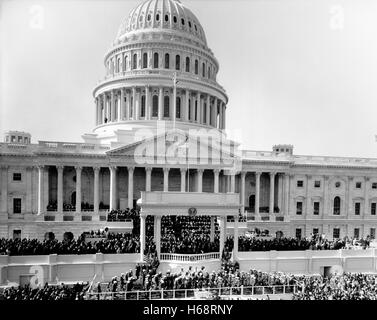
[175,145]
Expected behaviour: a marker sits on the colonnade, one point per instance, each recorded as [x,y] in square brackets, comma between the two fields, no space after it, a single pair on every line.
[156,103]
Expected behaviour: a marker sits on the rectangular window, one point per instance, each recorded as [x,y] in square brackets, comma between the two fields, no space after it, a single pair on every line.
[16,205]
[357,208]
[373,209]
[336,233]
[299,208]
[374,185]
[372,233]
[356,233]
[300,183]
[315,231]
[317,184]
[298,233]
[316,208]
[358,185]
[17,176]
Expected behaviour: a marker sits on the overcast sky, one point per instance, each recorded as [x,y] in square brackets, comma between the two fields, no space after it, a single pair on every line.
[302,72]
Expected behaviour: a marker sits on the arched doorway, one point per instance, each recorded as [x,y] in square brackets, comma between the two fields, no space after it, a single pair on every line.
[252,202]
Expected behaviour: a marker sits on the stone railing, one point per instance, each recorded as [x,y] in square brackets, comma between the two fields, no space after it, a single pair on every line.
[189,257]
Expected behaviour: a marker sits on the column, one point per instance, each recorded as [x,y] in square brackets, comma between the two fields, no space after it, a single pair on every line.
[286,194]
[46,188]
[98,111]
[60,188]
[112,116]
[128,105]
[272,191]
[40,189]
[221,116]
[216,173]
[121,114]
[348,208]
[212,231]
[200,180]
[166,179]
[186,111]
[224,115]
[232,182]
[242,195]
[105,108]
[183,179]
[157,221]
[208,110]
[222,226]
[148,109]
[148,178]
[366,199]
[235,229]
[131,187]
[214,113]
[96,189]
[29,189]
[257,191]
[325,196]
[136,101]
[78,189]
[307,196]
[142,236]
[160,103]
[198,111]
[113,200]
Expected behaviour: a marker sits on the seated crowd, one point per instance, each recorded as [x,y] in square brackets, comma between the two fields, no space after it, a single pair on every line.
[316,242]
[114,243]
[123,215]
[46,293]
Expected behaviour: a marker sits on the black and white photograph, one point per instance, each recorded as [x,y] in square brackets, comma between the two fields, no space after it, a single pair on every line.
[188,150]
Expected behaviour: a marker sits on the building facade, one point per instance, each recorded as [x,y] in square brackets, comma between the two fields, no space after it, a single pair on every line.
[160,93]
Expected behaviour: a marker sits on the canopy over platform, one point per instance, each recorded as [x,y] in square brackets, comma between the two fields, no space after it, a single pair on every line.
[161,203]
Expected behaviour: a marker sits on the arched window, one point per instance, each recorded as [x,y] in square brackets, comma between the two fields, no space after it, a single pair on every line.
[145,60]
[166,106]
[187,64]
[205,113]
[157,17]
[142,110]
[167,61]
[183,22]
[134,61]
[177,62]
[337,205]
[155,106]
[196,110]
[155,60]
[175,19]
[166,17]
[209,73]
[131,107]
[196,67]
[203,70]
[178,108]
[125,63]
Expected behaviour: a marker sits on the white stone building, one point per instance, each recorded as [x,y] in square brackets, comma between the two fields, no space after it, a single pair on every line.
[160,74]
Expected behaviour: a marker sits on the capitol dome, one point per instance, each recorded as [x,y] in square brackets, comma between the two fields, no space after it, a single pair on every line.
[160,40]
[162,15]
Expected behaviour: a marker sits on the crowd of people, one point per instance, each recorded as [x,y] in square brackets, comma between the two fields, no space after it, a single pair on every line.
[113,243]
[189,243]
[46,293]
[316,242]
[123,215]
[347,286]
